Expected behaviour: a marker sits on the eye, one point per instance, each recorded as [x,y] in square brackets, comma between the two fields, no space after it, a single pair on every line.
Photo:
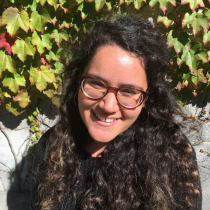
[128,92]
[94,83]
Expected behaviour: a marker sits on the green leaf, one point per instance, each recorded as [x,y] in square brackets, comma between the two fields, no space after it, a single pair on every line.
[79,1]
[194,4]
[206,37]
[173,42]
[203,56]
[42,2]
[33,139]
[50,93]
[41,44]
[198,77]
[33,129]
[1,96]
[31,118]
[5,63]
[80,8]
[23,98]
[14,84]
[38,21]
[52,2]
[196,20]
[52,56]
[138,3]
[186,76]
[99,4]
[165,20]
[59,36]
[108,4]
[64,25]
[208,53]
[163,4]
[59,67]
[13,110]
[56,101]
[15,19]
[23,48]
[41,77]
[38,135]
[31,148]
[188,57]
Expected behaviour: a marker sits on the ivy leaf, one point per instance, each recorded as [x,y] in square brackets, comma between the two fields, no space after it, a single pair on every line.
[99,4]
[23,98]
[5,63]
[80,8]
[54,20]
[7,41]
[41,77]
[6,95]
[198,77]
[56,101]
[79,1]
[194,4]
[52,2]
[163,4]
[41,44]
[186,76]
[52,56]
[1,96]
[50,93]
[108,4]
[188,57]
[206,37]
[196,20]
[59,67]
[13,110]
[165,20]
[59,36]
[38,21]
[64,25]
[23,48]
[203,56]
[14,20]
[173,42]
[208,53]
[14,84]
[42,2]
[138,3]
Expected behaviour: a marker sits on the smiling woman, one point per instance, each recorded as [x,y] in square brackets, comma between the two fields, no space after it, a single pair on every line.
[117,145]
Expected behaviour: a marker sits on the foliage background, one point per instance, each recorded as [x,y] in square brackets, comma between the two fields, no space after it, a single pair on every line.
[35,36]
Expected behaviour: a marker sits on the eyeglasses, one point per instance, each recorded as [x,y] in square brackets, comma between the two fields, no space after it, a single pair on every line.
[96,89]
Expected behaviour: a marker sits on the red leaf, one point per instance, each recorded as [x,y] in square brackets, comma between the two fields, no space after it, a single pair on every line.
[45,62]
[7,41]
[201,150]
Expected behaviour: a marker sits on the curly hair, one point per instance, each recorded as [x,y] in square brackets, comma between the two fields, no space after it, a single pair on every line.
[146,166]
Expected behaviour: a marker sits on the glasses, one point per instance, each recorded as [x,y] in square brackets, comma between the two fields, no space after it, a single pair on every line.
[96,89]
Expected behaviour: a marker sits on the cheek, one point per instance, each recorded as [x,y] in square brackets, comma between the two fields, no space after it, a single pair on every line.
[132,115]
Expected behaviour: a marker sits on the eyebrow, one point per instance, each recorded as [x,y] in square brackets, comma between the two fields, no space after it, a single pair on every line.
[121,85]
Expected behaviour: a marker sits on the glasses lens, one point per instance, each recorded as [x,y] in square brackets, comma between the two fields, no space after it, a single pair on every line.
[93,88]
[129,97]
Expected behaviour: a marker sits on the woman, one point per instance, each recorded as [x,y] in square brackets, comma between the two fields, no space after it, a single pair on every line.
[117,144]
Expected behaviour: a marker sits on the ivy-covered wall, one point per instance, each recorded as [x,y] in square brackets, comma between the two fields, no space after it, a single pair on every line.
[34,40]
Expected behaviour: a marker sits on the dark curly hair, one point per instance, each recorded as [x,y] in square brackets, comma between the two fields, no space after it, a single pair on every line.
[146,166]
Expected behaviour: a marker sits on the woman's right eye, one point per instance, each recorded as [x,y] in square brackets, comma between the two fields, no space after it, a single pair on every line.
[95,83]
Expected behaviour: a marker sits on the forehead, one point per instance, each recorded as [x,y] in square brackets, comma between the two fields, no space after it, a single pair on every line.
[117,66]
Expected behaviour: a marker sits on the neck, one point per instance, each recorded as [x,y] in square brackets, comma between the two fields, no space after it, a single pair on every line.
[94,148]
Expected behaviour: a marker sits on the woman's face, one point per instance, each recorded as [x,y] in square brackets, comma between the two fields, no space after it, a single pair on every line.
[117,68]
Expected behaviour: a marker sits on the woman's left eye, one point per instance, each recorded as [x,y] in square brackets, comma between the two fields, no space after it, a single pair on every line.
[127,91]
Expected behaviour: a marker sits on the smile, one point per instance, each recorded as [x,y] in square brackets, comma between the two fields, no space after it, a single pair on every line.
[105,119]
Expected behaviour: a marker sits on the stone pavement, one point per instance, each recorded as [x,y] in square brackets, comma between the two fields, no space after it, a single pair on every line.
[20,201]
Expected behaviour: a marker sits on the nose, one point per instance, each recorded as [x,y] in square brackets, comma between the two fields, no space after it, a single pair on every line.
[109,103]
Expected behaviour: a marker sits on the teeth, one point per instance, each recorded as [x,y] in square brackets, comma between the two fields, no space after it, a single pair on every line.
[105,119]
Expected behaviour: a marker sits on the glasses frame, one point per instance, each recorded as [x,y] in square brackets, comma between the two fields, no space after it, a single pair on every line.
[114,89]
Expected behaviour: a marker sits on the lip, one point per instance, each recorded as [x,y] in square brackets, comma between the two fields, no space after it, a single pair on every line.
[102,123]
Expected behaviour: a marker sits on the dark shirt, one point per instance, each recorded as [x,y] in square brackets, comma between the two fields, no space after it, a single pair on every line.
[87,168]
